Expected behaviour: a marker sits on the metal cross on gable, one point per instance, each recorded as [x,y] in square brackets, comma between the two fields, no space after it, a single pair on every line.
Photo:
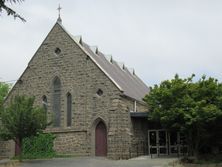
[59,18]
[59,9]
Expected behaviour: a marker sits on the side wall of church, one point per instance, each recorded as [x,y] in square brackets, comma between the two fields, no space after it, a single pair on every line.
[139,138]
[129,136]
[130,104]
[136,128]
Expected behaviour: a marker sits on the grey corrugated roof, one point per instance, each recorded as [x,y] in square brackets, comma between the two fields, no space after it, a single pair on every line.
[131,85]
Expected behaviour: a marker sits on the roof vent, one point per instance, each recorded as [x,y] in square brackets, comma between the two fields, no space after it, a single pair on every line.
[94,49]
[78,39]
[132,71]
[109,58]
[121,65]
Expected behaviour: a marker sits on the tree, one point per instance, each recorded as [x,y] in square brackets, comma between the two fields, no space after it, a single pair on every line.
[4,88]
[10,11]
[193,108]
[207,113]
[21,119]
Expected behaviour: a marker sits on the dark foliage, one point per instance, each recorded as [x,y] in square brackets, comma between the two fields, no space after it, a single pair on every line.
[40,146]
[193,108]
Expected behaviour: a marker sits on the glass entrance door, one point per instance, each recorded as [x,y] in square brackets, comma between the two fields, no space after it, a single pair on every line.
[173,143]
[177,143]
[157,142]
[162,138]
[162,142]
[152,144]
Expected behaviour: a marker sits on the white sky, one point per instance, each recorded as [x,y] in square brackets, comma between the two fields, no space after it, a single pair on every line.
[159,38]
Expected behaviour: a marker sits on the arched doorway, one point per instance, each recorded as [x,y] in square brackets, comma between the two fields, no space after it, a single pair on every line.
[100,139]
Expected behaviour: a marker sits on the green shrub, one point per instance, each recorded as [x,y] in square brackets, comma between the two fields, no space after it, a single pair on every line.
[40,146]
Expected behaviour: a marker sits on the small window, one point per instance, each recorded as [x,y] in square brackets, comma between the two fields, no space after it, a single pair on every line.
[56,101]
[57,51]
[69,109]
[45,104]
[99,92]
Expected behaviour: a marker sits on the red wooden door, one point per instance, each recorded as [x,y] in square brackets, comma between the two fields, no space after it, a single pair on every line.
[17,147]
[101,139]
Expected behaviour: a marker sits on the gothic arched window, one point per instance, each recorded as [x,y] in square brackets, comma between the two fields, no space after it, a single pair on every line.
[44,103]
[56,101]
[69,109]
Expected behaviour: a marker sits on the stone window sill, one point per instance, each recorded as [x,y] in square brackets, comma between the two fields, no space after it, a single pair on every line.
[63,130]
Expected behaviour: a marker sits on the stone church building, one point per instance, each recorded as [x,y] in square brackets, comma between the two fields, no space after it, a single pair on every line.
[94,102]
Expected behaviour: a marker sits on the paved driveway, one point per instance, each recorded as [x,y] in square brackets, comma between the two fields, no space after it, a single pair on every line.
[98,162]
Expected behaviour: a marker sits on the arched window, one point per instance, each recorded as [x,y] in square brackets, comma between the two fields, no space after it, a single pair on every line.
[69,109]
[56,101]
[44,103]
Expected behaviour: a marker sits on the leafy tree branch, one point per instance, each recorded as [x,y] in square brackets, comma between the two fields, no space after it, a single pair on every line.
[10,11]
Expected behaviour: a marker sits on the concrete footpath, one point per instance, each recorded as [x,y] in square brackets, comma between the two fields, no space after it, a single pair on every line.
[144,161]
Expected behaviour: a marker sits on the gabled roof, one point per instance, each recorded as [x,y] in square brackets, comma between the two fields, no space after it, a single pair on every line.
[124,78]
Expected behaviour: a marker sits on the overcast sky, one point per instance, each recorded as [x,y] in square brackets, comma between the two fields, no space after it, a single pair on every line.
[158,38]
